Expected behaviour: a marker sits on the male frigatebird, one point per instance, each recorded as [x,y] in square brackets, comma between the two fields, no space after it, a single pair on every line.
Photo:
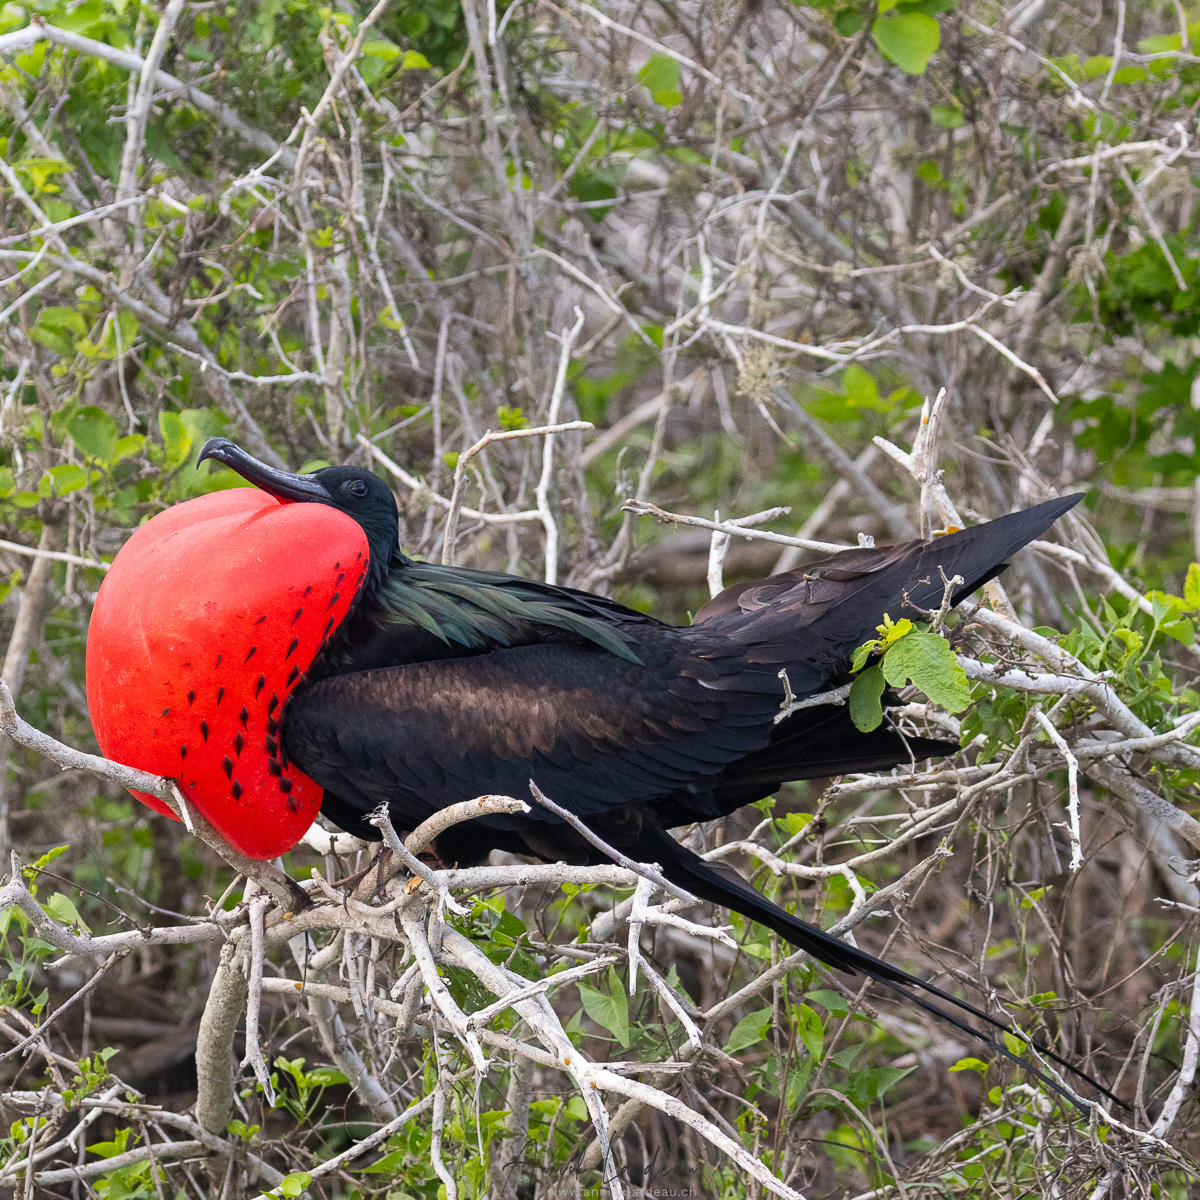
[439,684]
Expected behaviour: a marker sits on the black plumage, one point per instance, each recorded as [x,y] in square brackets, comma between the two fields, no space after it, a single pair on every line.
[446,683]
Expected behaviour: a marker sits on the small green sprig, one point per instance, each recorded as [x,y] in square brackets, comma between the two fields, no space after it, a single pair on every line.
[905,654]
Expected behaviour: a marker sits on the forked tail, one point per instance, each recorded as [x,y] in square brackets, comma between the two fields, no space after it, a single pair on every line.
[724,887]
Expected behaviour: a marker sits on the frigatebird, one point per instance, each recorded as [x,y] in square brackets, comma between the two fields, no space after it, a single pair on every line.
[445,683]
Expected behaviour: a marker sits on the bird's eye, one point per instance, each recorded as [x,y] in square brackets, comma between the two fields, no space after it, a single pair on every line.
[356,488]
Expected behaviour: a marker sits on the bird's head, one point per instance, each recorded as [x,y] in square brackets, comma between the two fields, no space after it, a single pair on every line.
[360,494]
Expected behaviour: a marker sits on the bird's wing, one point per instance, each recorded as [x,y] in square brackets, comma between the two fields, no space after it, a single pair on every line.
[814,743]
[594,730]
[811,619]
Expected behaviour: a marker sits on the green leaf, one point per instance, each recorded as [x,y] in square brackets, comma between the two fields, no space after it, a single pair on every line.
[39,172]
[893,631]
[95,433]
[382,49]
[327,1076]
[909,40]
[62,909]
[67,478]
[948,116]
[413,23]
[66,320]
[927,659]
[511,417]
[971,1064]
[750,1029]
[1015,1044]
[414,61]
[845,1058]
[1070,66]
[794,822]
[810,1029]
[46,859]
[294,1184]
[1191,588]
[864,652]
[929,172]
[131,443]
[1161,44]
[1182,630]
[848,22]
[833,1002]
[860,389]
[127,325]
[177,439]
[388,320]
[58,329]
[865,709]
[610,1010]
[797,1084]
[870,1085]
[661,77]
[389,1164]
[80,18]
[119,1144]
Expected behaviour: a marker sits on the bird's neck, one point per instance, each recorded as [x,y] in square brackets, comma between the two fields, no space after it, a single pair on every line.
[366,638]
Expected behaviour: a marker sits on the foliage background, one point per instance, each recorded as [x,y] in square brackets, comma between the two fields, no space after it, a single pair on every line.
[784,225]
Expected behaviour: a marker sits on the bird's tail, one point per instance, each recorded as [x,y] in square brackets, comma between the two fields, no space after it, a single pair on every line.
[721,885]
[812,618]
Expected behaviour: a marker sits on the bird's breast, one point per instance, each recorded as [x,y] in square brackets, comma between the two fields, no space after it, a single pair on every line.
[204,626]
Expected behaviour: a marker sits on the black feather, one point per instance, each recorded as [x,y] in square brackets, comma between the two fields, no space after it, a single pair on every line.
[445,684]
[726,888]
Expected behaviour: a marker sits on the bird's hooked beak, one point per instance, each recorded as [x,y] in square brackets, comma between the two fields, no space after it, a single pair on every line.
[283,485]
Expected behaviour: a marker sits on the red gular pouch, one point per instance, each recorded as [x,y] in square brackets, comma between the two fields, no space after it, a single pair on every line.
[204,626]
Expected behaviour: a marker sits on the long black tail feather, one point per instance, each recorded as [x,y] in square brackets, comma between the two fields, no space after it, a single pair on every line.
[687,870]
[811,619]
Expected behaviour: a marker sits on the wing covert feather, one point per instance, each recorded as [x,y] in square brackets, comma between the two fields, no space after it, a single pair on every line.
[594,730]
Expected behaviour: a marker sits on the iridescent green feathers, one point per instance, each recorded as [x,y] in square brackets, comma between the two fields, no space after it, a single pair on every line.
[426,611]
